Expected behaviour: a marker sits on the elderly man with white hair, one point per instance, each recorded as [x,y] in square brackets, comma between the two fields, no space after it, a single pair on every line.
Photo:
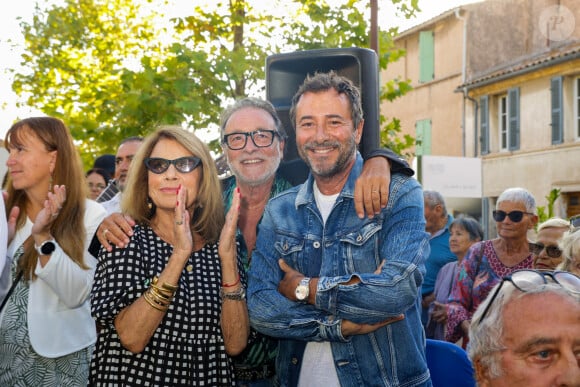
[527,332]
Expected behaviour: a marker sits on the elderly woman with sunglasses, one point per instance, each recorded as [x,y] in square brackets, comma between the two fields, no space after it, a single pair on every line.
[171,304]
[526,333]
[489,261]
[547,254]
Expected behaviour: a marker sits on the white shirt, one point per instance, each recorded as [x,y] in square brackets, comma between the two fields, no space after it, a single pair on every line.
[59,311]
[113,205]
[318,362]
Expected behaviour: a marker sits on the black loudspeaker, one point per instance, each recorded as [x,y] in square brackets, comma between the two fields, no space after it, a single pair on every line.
[286,72]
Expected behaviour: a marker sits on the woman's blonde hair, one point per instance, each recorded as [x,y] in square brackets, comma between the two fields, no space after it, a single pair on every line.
[68,228]
[208,217]
[555,222]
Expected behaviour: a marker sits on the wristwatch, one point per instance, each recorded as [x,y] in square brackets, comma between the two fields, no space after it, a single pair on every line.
[46,248]
[238,295]
[303,289]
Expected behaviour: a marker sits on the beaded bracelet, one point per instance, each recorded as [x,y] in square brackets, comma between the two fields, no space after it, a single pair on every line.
[237,295]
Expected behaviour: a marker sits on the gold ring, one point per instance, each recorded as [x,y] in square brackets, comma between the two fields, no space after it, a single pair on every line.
[105,232]
[179,222]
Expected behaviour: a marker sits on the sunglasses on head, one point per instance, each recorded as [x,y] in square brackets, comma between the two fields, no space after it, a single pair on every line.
[551,251]
[527,280]
[515,216]
[183,164]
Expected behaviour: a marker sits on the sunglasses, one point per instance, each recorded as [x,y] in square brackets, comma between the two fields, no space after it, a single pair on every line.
[515,216]
[552,251]
[158,165]
[527,280]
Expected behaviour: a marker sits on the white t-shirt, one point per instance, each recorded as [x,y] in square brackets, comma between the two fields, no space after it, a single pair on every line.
[318,363]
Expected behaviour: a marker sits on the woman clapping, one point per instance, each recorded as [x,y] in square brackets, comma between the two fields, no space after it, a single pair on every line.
[46,330]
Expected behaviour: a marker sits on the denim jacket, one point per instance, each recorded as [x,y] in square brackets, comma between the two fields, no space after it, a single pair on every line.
[292,229]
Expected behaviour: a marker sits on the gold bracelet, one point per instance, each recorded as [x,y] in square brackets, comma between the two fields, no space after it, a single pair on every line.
[157,299]
[153,304]
[160,296]
[165,285]
[162,292]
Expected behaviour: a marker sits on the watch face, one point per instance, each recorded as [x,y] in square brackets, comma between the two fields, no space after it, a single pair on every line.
[47,248]
[302,292]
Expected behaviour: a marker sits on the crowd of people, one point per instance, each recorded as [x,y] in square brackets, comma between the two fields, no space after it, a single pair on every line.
[157,272]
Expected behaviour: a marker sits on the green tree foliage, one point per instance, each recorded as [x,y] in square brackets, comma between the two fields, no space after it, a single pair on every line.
[112,68]
[74,60]
[543,213]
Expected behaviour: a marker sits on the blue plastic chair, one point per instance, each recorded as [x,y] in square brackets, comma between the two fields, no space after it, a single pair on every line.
[449,365]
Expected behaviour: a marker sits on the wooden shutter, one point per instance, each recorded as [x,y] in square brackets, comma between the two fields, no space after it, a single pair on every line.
[556,99]
[514,118]
[426,56]
[484,123]
[423,137]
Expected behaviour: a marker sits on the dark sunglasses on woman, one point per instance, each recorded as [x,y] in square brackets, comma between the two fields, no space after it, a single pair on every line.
[552,251]
[158,165]
[514,216]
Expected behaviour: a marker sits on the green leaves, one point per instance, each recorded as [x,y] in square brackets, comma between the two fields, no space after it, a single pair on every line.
[117,68]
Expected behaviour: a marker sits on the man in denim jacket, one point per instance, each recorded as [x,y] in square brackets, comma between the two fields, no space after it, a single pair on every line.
[342,293]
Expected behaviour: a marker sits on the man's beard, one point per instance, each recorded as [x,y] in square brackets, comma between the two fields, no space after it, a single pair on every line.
[346,152]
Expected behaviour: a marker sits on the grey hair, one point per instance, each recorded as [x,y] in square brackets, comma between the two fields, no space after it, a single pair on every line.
[256,103]
[131,139]
[570,245]
[434,198]
[555,222]
[485,336]
[470,225]
[520,195]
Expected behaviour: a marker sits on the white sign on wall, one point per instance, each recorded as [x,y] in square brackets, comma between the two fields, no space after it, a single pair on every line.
[458,177]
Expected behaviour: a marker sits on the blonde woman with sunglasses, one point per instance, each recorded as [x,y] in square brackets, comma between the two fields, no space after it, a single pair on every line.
[547,253]
[487,262]
[171,303]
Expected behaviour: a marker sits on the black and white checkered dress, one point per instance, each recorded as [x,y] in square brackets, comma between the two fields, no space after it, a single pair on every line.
[187,349]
